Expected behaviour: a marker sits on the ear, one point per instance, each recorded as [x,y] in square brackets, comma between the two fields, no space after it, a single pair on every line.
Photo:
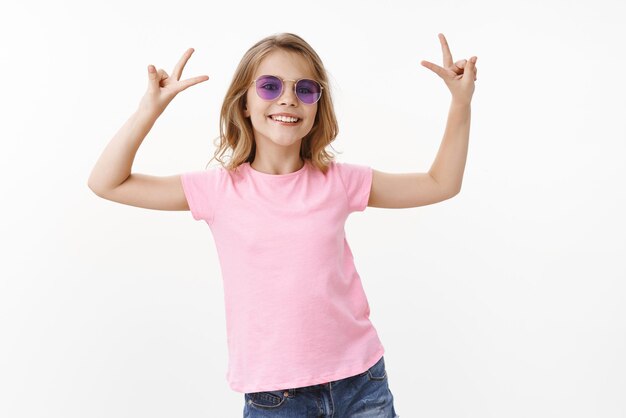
[246,112]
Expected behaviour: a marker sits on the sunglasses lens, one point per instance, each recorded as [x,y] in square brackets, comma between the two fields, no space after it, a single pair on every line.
[309,91]
[268,87]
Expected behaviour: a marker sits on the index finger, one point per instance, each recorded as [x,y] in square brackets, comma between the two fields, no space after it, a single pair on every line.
[178,69]
[447,56]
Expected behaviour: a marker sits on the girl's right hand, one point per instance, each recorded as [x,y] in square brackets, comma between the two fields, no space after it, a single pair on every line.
[163,88]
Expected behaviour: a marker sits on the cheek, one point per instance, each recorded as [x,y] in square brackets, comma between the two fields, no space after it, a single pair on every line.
[312,117]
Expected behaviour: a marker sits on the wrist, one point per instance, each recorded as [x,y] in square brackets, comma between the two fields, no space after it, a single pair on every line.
[457,102]
[147,114]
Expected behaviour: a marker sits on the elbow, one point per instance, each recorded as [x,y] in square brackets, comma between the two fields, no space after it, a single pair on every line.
[97,191]
[454,192]
[94,191]
[456,189]
[91,183]
[91,186]
[96,186]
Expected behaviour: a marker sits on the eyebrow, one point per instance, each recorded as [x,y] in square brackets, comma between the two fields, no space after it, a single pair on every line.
[284,78]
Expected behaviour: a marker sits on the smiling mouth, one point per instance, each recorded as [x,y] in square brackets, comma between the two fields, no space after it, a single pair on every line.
[285,123]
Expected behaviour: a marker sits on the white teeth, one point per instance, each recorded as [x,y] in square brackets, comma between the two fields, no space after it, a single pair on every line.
[285,118]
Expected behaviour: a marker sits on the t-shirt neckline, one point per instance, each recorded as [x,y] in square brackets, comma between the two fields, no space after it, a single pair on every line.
[276,176]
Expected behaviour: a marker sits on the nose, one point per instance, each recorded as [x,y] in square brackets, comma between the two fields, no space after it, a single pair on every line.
[288,95]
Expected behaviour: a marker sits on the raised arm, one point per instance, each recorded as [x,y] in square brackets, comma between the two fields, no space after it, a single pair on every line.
[449,165]
[443,180]
[111,177]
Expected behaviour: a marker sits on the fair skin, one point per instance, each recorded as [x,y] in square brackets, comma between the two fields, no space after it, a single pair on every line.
[443,180]
[111,177]
[278,146]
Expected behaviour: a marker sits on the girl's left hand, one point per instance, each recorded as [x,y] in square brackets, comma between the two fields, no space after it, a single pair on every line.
[458,76]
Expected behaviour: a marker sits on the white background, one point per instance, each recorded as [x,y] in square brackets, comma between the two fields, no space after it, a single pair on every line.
[505,301]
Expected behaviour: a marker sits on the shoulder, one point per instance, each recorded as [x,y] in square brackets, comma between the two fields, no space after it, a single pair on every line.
[349,171]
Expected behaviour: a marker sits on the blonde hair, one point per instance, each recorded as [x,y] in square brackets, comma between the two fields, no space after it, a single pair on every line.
[236,133]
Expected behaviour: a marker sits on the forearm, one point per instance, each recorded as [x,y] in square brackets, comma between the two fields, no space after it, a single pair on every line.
[116,161]
[449,165]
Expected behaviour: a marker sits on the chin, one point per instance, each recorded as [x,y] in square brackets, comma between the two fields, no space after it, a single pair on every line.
[285,141]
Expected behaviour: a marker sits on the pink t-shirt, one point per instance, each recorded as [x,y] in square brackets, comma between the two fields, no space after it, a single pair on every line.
[296,311]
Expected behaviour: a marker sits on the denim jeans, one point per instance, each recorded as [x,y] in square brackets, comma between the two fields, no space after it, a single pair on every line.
[365,395]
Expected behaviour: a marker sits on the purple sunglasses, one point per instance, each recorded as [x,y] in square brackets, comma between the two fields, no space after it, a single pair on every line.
[270,87]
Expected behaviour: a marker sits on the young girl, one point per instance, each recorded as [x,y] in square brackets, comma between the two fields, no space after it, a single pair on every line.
[299,336]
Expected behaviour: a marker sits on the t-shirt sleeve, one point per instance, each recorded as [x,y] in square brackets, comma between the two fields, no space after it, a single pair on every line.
[201,191]
[357,180]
